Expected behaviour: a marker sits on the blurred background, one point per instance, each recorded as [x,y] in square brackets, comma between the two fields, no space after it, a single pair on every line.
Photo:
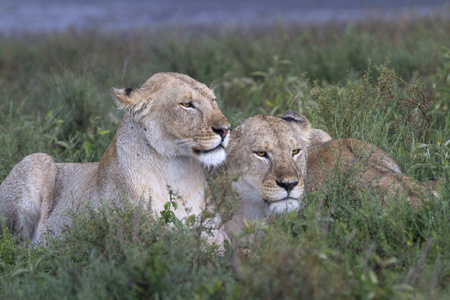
[54,15]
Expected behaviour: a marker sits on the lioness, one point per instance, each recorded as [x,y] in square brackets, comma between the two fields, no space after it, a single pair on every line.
[276,168]
[269,156]
[171,129]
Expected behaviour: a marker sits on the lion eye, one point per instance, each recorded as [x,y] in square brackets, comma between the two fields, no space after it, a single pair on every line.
[261,153]
[187,104]
[296,151]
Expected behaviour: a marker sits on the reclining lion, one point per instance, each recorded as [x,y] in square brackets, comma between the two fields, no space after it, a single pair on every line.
[171,129]
[276,168]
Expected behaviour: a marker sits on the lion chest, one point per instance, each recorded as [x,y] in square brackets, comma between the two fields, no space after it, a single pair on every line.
[180,179]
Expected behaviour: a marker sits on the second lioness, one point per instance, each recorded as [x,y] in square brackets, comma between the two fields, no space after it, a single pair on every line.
[171,129]
[269,156]
[276,168]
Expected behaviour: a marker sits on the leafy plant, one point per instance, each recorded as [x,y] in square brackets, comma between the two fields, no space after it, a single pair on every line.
[8,246]
[168,215]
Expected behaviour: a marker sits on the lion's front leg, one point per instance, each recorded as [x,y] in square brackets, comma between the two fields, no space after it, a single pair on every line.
[26,196]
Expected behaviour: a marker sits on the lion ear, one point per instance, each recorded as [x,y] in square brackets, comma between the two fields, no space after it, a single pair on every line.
[126,97]
[300,124]
[129,99]
[309,136]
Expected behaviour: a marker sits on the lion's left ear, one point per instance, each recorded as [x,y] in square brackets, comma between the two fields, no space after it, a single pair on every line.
[301,125]
[129,99]
[126,97]
[309,136]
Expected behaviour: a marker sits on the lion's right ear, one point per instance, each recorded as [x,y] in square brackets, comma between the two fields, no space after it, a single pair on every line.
[127,98]
[301,125]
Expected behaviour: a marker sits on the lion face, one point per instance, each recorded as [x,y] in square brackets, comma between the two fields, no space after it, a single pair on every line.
[270,158]
[180,116]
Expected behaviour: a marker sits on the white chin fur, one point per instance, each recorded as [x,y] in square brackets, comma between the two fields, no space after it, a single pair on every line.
[284,206]
[214,158]
[226,140]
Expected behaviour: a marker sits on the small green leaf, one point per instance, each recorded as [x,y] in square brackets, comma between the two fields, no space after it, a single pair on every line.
[174,204]
[259,73]
[167,205]
[177,222]
[270,103]
[62,144]
[247,224]
[373,277]
[87,147]
[190,221]
[102,132]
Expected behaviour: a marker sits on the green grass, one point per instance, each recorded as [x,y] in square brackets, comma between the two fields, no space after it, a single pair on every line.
[385,84]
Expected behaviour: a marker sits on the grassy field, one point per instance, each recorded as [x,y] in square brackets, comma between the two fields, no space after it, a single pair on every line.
[387,84]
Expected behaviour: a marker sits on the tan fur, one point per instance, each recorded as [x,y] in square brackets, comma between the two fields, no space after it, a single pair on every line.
[363,166]
[261,179]
[171,130]
[369,166]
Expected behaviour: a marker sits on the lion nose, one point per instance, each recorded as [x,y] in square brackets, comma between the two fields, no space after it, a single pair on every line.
[287,185]
[222,132]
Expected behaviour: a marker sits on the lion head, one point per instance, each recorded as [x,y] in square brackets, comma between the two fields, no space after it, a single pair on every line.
[269,157]
[180,117]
